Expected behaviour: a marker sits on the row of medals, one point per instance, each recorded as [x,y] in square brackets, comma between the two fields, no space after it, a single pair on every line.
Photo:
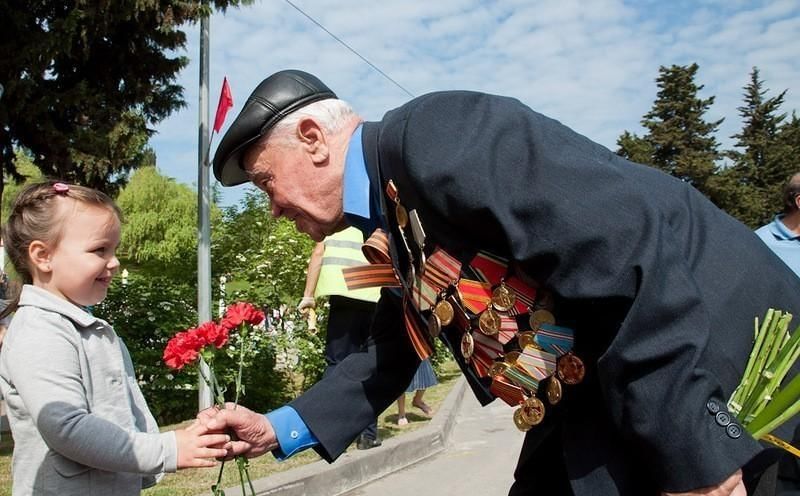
[569,369]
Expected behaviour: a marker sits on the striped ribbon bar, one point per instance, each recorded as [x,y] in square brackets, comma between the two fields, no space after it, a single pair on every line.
[485,351]
[506,391]
[416,333]
[508,329]
[521,379]
[536,363]
[379,272]
[555,339]
[476,295]
[525,295]
[490,268]
[440,270]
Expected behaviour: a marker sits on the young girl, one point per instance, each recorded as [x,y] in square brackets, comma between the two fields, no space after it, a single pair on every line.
[79,421]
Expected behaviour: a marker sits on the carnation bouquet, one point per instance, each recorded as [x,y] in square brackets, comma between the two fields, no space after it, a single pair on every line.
[762,402]
[199,345]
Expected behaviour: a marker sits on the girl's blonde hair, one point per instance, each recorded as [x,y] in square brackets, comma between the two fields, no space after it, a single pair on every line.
[34,216]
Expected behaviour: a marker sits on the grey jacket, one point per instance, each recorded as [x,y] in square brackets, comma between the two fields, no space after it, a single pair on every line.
[80,423]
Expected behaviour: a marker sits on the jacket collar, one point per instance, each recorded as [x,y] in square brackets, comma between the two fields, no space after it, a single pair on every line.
[41,298]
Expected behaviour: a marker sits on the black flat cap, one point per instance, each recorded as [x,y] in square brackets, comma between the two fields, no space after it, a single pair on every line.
[276,97]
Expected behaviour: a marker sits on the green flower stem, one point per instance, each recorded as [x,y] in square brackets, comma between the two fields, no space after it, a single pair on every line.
[782,407]
[777,372]
[737,400]
[758,389]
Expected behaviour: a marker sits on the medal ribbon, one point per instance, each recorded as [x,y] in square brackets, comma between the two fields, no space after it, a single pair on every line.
[555,339]
[486,349]
[536,363]
[476,295]
[489,268]
[440,269]
[525,295]
[506,391]
[508,329]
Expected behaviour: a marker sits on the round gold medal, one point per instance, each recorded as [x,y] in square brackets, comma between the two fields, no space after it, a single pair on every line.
[489,322]
[503,298]
[571,369]
[401,215]
[497,368]
[434,325]
[520,421]
[554,390]
[467,345]
[526,338]
[540,317]
[533,410]
[444,310]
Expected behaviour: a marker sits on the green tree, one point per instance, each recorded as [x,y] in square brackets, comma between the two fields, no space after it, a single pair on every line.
[635,148]
[750,188]
[159,234]
[84,80]
[678,140]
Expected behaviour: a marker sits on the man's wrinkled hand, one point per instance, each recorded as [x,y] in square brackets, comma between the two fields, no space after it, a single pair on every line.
[252,434]
[732,486]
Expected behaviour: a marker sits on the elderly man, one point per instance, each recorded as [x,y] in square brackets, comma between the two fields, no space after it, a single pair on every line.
[610,304]
[782,235]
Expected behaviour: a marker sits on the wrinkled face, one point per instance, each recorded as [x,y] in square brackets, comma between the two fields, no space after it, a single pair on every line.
[300,188]
[84,261]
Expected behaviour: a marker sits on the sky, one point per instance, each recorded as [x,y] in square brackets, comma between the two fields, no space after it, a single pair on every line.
[590,64]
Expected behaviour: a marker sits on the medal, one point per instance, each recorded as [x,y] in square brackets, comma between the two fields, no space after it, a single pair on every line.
[503,298]
[520,421]
[571,369]
[498,368]
[401,215]
[527,338]
[539,317]
[467,345]
[489,322]
[444,310]
[533,411]
[554,390]
[434,325]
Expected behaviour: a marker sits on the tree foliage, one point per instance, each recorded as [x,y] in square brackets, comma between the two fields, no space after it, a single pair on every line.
[160,226]
[84,79]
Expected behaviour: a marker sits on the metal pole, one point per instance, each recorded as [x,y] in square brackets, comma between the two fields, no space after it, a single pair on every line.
[203,209]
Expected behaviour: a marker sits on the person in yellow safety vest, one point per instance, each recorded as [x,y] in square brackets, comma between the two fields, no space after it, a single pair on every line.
[350,312]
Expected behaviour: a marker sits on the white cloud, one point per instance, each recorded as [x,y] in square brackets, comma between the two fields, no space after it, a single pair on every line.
[591,65]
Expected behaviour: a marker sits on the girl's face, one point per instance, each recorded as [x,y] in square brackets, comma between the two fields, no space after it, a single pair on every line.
[84,261]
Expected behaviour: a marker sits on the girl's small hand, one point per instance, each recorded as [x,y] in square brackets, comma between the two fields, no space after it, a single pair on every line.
[196,446]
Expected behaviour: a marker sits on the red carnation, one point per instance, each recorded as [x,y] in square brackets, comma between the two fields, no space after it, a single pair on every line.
[212,333]
[241,312]
[182,350]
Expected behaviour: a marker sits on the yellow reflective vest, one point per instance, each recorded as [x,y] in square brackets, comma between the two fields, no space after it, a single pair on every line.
[342,249]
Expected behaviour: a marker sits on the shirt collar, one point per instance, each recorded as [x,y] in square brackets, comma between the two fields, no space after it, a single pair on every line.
[34,296]
[780,230]
[356,199]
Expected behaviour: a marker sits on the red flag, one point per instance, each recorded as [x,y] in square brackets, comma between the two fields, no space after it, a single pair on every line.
[225,102]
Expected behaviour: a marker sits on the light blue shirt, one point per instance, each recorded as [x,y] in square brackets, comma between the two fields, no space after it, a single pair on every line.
[292,433]
[784,242]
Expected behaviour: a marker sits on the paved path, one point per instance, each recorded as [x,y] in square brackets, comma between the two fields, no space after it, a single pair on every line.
[479,458]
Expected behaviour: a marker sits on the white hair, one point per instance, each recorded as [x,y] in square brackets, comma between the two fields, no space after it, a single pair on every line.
[332,115]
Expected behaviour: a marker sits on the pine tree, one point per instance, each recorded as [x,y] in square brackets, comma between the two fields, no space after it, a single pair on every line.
[683,144]
[759,170]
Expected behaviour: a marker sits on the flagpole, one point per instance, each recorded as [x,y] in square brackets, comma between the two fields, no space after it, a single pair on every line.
[203,208]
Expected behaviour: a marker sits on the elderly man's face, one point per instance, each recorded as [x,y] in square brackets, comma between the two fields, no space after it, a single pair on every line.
[300,188]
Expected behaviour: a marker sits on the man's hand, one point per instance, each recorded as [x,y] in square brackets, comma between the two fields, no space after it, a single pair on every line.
[305,303]
[253,437]
[732,486]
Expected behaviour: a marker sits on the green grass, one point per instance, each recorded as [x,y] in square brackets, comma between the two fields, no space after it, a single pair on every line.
[198,481]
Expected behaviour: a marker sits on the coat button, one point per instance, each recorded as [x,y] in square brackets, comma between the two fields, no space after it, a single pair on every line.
[723,418]
[712,406]
[734,430]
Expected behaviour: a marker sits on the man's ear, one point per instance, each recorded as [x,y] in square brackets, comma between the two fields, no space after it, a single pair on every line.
[39,254]
[313,138]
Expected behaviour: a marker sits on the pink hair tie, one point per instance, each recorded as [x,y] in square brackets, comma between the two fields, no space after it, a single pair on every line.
[60,188]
